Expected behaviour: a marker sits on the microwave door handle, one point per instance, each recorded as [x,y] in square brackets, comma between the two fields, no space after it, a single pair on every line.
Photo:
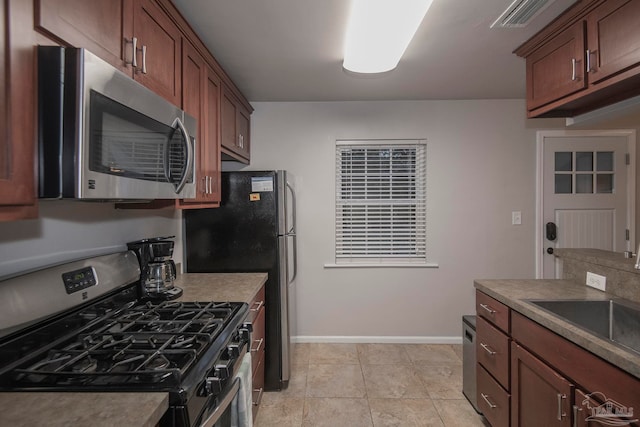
[189,147]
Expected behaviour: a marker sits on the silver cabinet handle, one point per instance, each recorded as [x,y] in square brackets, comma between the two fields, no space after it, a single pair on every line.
[487,349]
[590,53]
[144,59]
[573,69]
[486,399]
[560,413]
[576,409]
[487,308]
[259,399]
[259,306]
[134,51]
[257,349]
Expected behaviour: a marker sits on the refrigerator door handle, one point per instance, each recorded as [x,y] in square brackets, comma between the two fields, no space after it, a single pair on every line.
[295,257]
[292,230]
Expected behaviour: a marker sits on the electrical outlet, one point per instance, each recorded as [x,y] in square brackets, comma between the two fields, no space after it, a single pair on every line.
[516,218]
[596,281]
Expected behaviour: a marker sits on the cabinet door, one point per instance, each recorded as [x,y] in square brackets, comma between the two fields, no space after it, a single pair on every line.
[235,126]
[17,111]
[211,163]
[244,142]
[228,123]
[539,395]
[159,50]
[101,26]
[557,68]
[194,74]
[200,98]
[613,38]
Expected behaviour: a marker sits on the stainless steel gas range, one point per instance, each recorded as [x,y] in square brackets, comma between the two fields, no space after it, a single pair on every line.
[82,326]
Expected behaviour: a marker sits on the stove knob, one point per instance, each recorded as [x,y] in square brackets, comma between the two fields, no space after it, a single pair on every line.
[248,325]
[234,351]
[213,385]
[245,334]
[223,370]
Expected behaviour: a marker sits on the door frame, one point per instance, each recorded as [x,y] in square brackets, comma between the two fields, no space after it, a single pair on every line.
[630,134]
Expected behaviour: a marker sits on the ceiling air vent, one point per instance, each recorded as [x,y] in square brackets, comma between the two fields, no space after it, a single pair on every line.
[520,13]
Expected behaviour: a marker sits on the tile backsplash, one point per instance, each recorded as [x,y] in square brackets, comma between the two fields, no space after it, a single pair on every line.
[623,280]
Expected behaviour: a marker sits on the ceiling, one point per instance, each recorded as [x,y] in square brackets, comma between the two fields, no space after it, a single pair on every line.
[291,50]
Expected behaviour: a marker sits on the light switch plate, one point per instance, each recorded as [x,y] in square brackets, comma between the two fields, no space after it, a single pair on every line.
[596,281]
[516,218]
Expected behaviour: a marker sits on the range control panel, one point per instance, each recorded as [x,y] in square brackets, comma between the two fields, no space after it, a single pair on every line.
[78,280]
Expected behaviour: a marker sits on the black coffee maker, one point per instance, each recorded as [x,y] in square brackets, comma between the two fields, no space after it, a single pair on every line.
[157,269]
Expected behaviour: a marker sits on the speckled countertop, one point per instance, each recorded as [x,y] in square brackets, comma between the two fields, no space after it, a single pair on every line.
[82,409]
[125,409]
[220,286]
[515,293]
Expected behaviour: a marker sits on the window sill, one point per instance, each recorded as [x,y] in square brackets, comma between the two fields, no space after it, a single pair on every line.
[384,265]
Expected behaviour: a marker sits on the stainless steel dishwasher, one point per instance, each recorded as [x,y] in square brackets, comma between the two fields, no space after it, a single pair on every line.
[469,359]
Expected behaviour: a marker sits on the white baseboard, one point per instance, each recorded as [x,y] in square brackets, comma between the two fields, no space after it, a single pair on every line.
[375,340]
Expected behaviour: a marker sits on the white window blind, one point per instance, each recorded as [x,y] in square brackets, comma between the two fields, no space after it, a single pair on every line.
[381,201]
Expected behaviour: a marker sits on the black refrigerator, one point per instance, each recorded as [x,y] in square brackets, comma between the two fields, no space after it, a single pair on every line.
[253,230]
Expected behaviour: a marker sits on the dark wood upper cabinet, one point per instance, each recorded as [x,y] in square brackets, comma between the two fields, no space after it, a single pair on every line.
[200,98]
[587,58]
[613,39]
[17,111]
[159,51]
[557,68]
[97,25]
[235,127]
[136,36]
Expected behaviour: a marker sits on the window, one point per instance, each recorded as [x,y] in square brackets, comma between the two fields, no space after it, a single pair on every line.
[381,202]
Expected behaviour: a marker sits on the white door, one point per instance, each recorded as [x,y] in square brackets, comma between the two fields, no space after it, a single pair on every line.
[588,194]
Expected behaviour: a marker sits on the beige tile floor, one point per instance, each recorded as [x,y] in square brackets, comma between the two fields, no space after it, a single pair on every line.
[371,385]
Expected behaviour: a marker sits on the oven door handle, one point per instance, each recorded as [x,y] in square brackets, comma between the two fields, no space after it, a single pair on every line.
[223,405]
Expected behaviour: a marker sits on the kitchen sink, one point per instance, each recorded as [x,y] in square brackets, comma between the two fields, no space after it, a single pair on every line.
[617,321]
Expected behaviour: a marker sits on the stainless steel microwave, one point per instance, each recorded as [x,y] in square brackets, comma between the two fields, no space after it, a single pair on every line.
[104,136]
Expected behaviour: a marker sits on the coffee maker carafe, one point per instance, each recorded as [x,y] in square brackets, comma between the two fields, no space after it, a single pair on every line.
[157,269]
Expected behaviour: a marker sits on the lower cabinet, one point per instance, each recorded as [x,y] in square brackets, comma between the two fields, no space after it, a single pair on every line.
[493,401]
[540,396]
[257,318]
[552,381]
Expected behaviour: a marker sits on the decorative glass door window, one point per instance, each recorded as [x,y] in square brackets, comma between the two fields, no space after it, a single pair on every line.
[584,172]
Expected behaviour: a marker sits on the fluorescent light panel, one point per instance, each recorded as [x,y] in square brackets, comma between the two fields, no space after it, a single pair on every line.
[379,32]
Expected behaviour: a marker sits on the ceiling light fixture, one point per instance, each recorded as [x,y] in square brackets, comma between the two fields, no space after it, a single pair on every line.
[379,32]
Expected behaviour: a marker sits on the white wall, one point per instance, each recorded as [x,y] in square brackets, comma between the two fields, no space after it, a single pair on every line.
[481,167]
[69,230]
